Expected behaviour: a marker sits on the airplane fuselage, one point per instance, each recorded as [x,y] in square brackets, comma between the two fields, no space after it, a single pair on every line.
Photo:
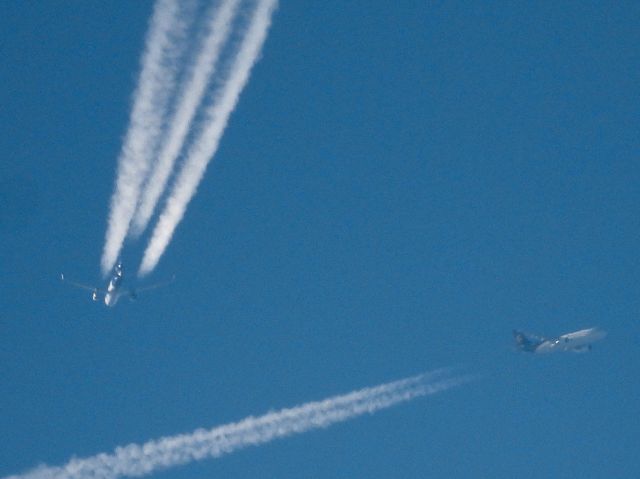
[112,294]
[578,341]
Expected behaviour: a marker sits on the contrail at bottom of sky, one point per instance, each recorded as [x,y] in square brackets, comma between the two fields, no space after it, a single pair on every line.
[155,455]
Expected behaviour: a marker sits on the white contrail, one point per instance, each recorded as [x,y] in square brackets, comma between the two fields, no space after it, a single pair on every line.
[142,459]
[163,48]
[205,146]
[193,90]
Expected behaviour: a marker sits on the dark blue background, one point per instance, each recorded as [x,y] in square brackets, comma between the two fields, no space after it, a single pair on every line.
[401,184]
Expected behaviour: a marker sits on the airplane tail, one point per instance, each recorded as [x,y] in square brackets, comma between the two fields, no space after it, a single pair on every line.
[523,343]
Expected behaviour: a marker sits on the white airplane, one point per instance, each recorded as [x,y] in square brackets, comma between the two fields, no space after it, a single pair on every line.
[114,291]
[577,342]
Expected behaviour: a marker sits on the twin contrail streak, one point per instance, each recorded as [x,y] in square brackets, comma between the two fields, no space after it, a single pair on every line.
[143,459]
[192,92]
[164,44]
[206,144]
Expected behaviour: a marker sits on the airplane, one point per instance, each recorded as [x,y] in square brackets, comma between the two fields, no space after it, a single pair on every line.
[113,292]
[577,342]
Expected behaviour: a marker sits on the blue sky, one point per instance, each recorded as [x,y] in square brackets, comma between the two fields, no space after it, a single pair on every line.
[400,186]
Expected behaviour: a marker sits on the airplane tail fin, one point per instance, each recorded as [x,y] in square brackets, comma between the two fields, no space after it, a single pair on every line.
[523,343]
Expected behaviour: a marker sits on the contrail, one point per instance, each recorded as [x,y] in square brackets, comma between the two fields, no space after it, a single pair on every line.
[193,90]
[141,459]
[205,146]
[163,47]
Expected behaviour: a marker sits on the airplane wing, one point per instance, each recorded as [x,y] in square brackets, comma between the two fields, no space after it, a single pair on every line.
[581,349]
[78,285]
[156,285]
[133,292]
